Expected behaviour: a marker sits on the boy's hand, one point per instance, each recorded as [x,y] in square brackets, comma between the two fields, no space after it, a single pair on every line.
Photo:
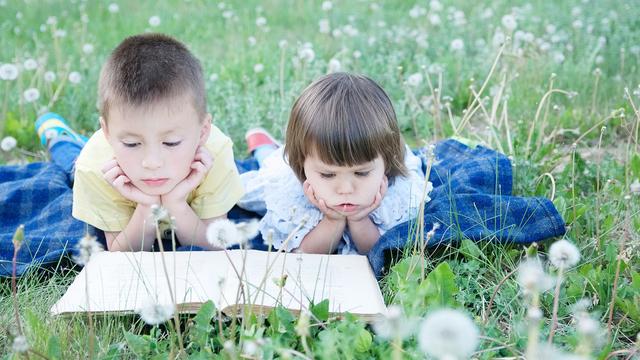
[364,213]
[320,204]
[114,175]
[201,164]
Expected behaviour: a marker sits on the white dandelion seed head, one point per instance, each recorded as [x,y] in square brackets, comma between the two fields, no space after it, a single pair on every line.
[532,277]
[459,18]
[8,143]
[374,7]
[558,57]
[87,48]
[563,254]
[261,21]
[31,95]
[60,33]
[268,238]
[534,314]
[86,247]
[49,76]
[327,5]
[307,54]
[336,33]
[435,69]
[154,21]
[75,77]
[448,333]
[114,8]
[248,230]
[635,49]
[84,18]
[334,66]
[498,38]
[213,77]
[599,59]
[457,45]
[414,79]
[577,24]
[486,14]
[249,348]
[52,20]
[159,213]
[324,26]
[252,41]
[586,325]
[155,314]
[434,19]
[350,30]
[20,344]
[227,14]
[394,324]
[635,187]
[435,5]
[550,28]
[509,22]
[283,44]
[529,37]
[417,11]
[222,233]
[30,64]
[258,68]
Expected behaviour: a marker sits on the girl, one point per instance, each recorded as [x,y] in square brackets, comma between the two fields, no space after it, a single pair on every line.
[344,176]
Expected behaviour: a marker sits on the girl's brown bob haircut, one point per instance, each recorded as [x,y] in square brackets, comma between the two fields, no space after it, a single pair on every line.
[346,119]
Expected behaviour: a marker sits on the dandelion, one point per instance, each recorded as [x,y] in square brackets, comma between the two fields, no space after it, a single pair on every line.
[532,277]
[635,187]
[486,14]
[434,19]
[498,38]
[8,143]
[509,22]
[155,314]
[261,21]
[87,246]
[357,54]
[213,77]
[75,77]
[417,11]
[20,344]
[414,79]
[251,40]
[222,233]
[154,21]
[324,26]
[113,8]
[459,18]
[306,53]
[394,325]
[227,14]
[49,76]
[448,334]
[31,95]
[457,45]
[258,68]
[159,213]
[248,230]
[558,57]
[334,66]
[302,327]
[87,48]
[577,24]
[52,20]
[327,6]
[435,5]
[249,348]
[563,254]
[283,44]
[60,33]
[435,69]
[30,64]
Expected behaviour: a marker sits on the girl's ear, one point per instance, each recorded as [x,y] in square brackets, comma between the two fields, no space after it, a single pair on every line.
[103,126]
[205,130]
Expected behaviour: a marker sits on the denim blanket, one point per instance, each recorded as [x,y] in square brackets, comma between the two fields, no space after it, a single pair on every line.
[471,199]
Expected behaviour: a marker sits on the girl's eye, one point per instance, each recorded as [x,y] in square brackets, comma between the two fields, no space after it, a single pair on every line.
[172,144]
[130,145]
[362,173]
[327,175]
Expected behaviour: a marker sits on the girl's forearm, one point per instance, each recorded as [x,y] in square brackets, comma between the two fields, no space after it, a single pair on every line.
[364,234]
[324,238]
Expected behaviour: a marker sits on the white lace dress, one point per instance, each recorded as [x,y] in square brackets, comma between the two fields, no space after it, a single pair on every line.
[275,192]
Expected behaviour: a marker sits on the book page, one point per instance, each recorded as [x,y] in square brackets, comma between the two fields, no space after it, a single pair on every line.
[346,280]
[127,281]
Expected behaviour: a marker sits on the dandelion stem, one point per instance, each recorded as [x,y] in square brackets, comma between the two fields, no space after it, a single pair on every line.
[14,290]
[556,300]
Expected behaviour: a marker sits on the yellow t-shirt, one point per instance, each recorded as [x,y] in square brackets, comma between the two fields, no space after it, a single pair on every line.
[97,203]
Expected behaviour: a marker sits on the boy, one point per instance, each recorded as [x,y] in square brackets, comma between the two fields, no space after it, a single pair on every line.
[156,147]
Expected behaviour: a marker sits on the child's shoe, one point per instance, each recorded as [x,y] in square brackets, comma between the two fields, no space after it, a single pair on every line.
[51,125]
[258,137]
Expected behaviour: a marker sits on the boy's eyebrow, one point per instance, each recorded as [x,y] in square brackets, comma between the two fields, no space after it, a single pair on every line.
[125,133]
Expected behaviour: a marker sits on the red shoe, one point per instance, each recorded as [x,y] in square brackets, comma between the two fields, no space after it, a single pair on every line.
[257,137]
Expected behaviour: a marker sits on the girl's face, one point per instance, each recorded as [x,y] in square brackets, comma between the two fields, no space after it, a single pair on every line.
[345,189]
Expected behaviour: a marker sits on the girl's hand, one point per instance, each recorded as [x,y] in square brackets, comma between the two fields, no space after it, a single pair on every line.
[362,214]
[320,204]
[201,164]
[114,175]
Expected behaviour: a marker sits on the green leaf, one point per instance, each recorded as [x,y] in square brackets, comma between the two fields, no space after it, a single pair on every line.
[470,250]
[363,341]
[53,348]
[138,344]
[439,287]
[321,310]
[202,324]
[635,166]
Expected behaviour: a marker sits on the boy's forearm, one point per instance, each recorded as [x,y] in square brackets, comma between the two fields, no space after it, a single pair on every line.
[324,238]
[364,234]
[130,239]
[190,229]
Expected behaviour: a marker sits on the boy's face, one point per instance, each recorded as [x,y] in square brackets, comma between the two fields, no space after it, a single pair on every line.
[155,144]
[344,189]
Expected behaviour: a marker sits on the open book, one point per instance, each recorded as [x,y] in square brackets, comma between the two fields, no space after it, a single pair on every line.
[236,281]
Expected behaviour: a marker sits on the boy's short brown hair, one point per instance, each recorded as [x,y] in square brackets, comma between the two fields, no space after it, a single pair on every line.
[150,67]
[346,119]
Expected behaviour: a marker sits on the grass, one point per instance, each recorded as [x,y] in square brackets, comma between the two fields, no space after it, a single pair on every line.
[577,145]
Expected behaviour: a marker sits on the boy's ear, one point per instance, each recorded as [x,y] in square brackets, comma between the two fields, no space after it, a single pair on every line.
[103,126]
[205,130]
